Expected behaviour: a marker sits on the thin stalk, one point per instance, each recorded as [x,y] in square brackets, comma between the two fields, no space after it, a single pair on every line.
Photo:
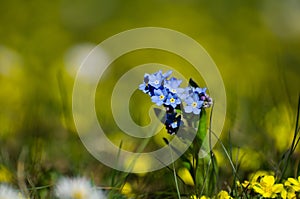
[230,161]
[143,145]
[293,146]
[175,178]
[210,145]
[174,172]
[205,177]
[117,163]
[226,153]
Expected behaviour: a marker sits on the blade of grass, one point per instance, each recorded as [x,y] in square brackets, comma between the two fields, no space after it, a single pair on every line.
[21,172]
[115,171]
[166,166]
[63,94]
[174,171]
[130,167]
[205,177]
[144,143]
[214,163]
[294,142]
[234,170]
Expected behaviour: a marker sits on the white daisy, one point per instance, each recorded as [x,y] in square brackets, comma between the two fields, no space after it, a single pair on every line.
[6,192]
[77,188]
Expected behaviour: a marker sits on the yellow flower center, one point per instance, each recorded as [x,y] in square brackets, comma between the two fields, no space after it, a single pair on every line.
[194,104]
[172,100]
[267,187]
[78,195]
[161,97]
[268,190]
[173,90]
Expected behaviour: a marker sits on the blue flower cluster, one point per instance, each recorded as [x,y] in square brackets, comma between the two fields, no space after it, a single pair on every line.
[165,91]
[195,99]
[162,90]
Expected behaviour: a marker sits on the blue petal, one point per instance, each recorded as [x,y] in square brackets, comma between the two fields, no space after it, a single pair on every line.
[189,100]
[188,109]
[178,101]
[174,125]
[167,74]
[158,92]
[196,111]
[142,86]
[156,100]
[199,104]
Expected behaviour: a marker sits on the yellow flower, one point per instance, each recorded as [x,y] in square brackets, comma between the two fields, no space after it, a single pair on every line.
[126,189]
[185,175]
[202,197]
[224,195]
[255,178]
[288,194]
[246,184]
[267,187]
[5,174]
[295,184]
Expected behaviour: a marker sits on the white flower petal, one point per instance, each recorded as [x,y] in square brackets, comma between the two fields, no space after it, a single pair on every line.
[68,187]
[6,192]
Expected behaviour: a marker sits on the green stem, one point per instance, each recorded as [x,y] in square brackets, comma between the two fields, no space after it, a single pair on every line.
[175,177]
[293,146]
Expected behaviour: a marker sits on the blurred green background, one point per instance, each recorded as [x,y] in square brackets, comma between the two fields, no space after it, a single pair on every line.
[255,44]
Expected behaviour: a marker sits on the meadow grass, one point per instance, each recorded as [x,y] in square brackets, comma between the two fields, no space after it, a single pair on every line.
[200,179]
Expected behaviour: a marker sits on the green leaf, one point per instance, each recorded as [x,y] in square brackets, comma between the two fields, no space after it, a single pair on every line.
[202,128]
